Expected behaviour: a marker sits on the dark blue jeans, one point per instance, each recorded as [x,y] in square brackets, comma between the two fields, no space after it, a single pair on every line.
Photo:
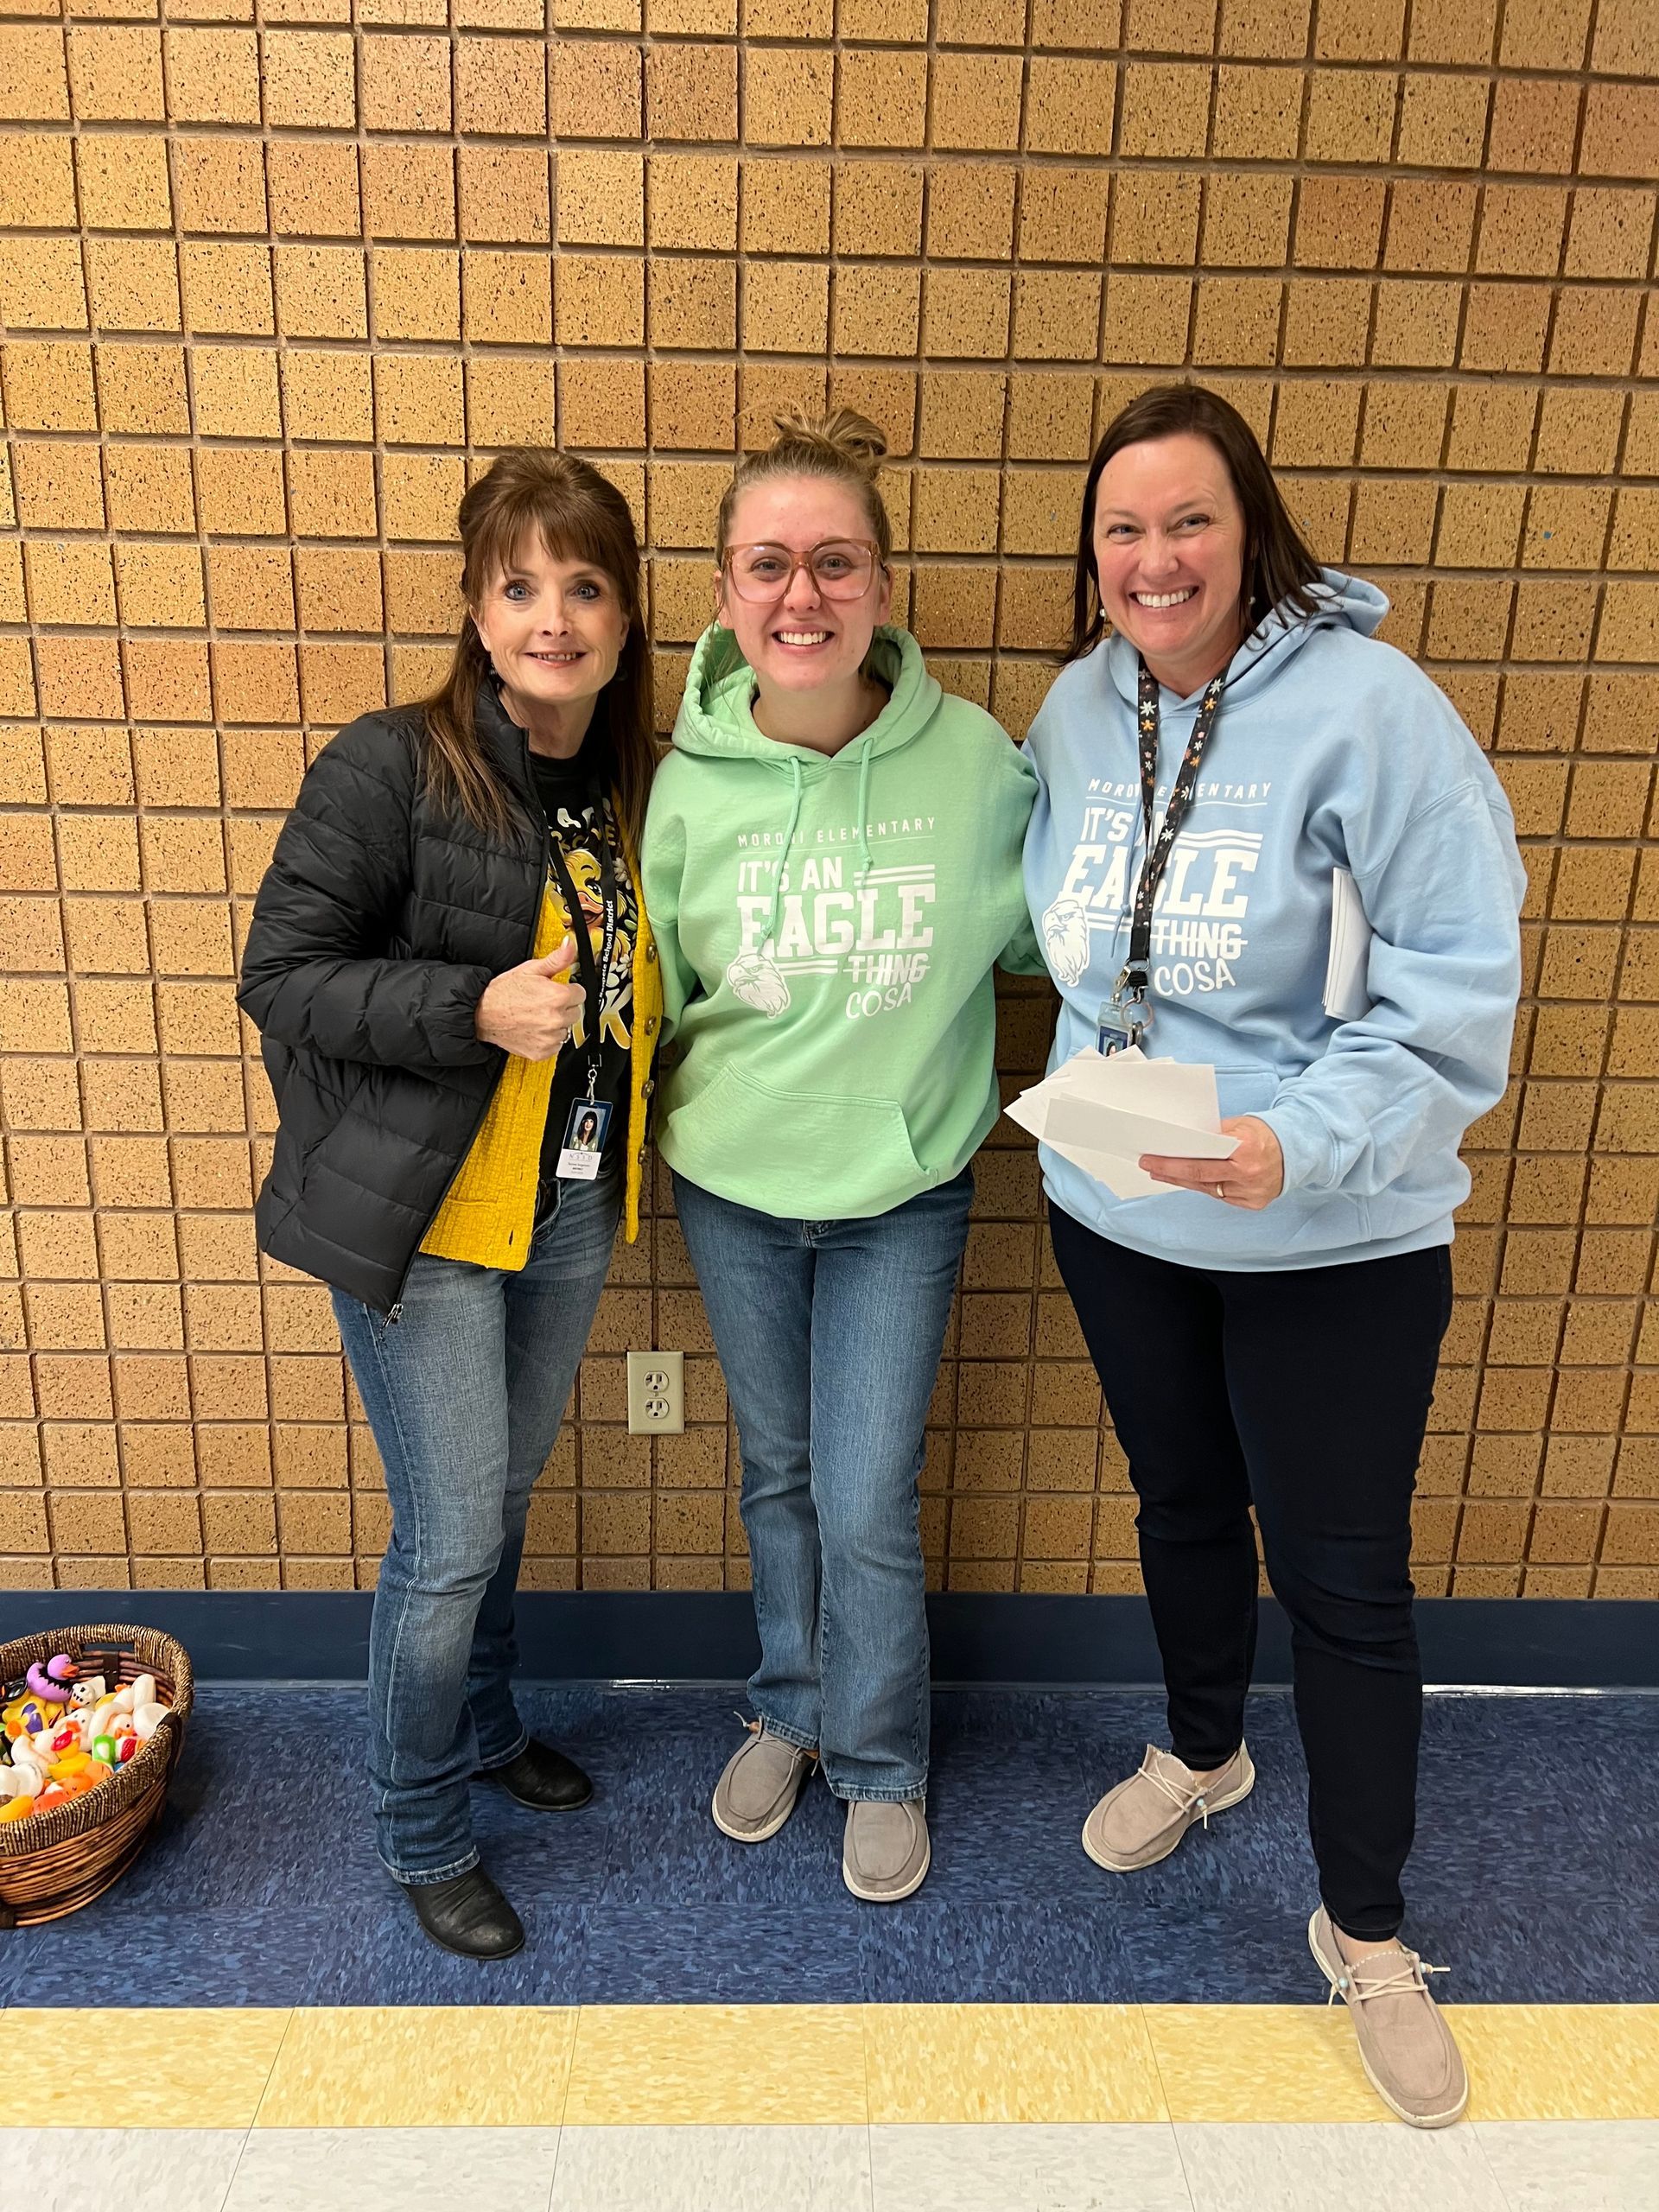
[465,1394]
[829,1334]
[1304,1392]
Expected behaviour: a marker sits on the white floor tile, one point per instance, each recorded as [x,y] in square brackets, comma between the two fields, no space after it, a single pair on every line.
[712,2170]
[1033,2169]
[1387,2168]
[104,2170]
[395,2170]
[1573,2165]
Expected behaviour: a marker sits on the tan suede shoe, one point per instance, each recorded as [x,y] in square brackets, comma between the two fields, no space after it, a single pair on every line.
[760,1784]
[1405,2045]
[886,1853]
[1143,1819]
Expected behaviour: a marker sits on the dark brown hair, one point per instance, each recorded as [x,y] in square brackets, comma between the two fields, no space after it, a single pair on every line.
[1278,564]
[845,447]
[527,494]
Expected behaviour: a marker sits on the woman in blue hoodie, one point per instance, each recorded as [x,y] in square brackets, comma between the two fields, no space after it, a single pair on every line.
[1226,736]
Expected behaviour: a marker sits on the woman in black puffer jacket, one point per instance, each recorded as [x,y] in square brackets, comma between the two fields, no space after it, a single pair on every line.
[453,979]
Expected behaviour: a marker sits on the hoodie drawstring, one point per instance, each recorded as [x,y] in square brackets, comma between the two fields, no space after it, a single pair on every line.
[866,858]
[770,942]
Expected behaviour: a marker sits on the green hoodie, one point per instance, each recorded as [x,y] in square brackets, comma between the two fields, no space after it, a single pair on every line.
[834,1010]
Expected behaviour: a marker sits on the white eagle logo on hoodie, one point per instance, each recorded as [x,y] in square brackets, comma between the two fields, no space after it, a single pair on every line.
[1065,939]
[755,978]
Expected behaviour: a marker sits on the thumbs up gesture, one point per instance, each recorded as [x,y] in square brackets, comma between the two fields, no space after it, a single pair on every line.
[531,1009]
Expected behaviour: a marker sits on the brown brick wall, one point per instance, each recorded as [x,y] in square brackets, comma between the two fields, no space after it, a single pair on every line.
[273,282]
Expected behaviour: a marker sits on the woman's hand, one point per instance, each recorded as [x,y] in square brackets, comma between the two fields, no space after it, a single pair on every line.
[1252,1179]
[531,1010]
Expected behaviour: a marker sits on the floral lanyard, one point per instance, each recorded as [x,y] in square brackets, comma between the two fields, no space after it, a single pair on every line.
[1126,1016]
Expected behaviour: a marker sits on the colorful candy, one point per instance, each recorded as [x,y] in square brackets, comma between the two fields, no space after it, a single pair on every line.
[67,1732]
[28,1772]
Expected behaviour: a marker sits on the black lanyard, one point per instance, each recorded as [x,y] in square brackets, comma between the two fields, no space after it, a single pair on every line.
[594,976]
[1126,1016]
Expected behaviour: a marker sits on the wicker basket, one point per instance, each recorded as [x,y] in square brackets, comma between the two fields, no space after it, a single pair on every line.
[55,1862]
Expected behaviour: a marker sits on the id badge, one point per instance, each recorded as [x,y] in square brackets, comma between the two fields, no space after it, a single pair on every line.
[1118,1027]
[584,1141]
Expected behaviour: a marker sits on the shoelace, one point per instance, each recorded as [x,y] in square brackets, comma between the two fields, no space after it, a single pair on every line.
[1411,1976]
[757,1727]
[1184,1800]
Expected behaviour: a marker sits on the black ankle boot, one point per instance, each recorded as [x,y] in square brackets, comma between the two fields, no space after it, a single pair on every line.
[543,1779]
[467,1914]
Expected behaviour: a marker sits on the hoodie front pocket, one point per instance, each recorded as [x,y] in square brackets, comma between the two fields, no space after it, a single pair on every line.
[795,1155]
[1245,1090]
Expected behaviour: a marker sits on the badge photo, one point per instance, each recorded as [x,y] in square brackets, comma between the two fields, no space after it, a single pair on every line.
[584,1139]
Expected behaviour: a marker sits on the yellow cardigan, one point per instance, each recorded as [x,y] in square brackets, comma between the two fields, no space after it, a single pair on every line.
[490,1211]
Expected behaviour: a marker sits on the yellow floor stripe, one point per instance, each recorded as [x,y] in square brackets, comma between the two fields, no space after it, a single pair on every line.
[1560,2061]
[1010,2062]
[422,2066]
[652,2065]
[611,2066]
[1260,2063]
[153,2067]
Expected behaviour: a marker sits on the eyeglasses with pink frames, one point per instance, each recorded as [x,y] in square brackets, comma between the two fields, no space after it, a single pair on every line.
[840,568]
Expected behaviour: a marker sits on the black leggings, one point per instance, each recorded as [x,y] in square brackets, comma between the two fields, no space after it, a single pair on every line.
[1305,1393]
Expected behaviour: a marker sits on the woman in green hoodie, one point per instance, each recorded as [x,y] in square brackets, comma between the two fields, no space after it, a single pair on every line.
[832,866]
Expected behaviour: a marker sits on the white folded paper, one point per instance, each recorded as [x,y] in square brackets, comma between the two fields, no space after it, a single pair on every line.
[1347,997]
[1101,1112]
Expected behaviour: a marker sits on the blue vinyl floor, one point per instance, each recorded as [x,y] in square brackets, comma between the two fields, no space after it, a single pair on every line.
[1536,1877]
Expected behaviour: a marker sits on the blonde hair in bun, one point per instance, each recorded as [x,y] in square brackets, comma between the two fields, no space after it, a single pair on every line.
[844,448]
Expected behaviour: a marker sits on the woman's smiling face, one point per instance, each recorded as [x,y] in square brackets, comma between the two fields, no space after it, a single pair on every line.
[801,641]
[1169,556]
[554,628]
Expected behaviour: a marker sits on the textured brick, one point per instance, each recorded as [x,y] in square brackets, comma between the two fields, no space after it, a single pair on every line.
[283,288]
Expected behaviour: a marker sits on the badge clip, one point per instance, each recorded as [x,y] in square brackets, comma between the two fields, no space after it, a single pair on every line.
[1124,1019]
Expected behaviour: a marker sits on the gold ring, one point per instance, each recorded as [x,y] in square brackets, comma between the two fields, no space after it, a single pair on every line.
[1220,1193]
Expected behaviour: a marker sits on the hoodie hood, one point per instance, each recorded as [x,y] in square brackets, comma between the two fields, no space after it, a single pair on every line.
[1342,602]
[716,720]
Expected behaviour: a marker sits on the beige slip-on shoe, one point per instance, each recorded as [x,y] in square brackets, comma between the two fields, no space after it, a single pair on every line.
[886,1854]
[1143,1819]
[1405,2045]
[759,1785]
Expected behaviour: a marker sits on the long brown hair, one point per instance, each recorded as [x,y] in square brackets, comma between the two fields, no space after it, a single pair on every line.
[846,448]
[1278,564]
[530,491]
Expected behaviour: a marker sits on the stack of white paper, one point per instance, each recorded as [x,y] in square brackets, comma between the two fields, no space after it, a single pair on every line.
[1102,1111]
[1346,995]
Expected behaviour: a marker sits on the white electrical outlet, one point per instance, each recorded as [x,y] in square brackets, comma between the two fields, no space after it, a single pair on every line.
[656,1393]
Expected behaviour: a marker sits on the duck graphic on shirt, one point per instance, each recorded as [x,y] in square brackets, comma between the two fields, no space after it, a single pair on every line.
[582,864]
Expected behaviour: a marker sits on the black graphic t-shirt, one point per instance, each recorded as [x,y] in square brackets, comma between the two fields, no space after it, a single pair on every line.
[569,792]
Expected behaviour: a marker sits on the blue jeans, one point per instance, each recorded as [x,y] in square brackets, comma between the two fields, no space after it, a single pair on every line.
[829,1334]
[465,1394]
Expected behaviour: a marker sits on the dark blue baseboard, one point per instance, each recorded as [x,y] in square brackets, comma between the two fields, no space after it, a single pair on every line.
[677,1636]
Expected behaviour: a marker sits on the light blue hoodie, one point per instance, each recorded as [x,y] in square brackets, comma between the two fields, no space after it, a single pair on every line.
[1330,749]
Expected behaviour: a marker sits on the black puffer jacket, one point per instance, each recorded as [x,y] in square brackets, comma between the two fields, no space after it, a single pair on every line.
[378,924]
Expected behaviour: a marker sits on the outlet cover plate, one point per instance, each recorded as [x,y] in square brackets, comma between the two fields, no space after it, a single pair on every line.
[656,1393]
